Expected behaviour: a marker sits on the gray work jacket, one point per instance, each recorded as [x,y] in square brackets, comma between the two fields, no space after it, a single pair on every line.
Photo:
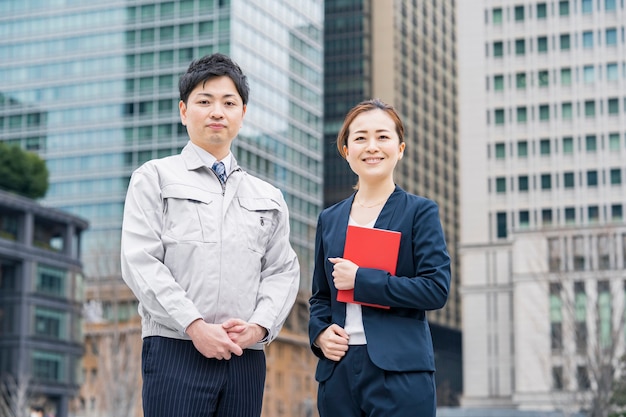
[193,247]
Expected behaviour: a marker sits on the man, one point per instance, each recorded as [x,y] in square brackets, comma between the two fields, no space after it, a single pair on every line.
[205,249]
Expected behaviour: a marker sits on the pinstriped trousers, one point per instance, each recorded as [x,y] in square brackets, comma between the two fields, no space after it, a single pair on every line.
[178,381]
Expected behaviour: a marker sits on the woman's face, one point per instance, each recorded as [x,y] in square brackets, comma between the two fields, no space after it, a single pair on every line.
[373,148]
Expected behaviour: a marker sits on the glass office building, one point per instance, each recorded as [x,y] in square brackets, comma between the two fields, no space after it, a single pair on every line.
[93,88]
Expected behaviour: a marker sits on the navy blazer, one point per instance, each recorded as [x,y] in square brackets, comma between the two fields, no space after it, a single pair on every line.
[398,339]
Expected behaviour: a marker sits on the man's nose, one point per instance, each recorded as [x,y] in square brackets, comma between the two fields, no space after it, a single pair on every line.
[217,111]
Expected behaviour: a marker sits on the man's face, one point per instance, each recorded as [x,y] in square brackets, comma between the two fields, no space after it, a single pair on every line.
[213,115]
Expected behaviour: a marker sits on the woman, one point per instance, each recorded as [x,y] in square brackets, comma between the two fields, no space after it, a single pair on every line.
[375,361]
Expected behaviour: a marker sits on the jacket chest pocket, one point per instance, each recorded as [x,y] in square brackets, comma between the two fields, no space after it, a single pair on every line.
[257,223]
[189,214]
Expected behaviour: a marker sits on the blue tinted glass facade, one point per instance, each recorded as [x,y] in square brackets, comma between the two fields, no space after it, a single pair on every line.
[93,88]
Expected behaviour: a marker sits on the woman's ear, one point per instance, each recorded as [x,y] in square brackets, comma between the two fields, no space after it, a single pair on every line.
[345,150]
[401,153]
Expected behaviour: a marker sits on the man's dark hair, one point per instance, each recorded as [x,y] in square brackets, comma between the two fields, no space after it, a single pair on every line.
[211,66]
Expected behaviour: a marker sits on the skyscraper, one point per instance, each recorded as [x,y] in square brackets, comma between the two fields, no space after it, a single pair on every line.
[92,87]
[403,52]
[542,144]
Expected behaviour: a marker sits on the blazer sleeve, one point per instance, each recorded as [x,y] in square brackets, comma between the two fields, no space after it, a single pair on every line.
[422,282]
[320,303]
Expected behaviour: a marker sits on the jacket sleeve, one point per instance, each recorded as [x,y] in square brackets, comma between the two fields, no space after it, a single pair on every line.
[142,255]
[280,278]
[428,286]
[320,302]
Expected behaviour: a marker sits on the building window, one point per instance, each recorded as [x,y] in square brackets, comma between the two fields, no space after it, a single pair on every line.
[616,176]
[557,378]
[544,112]
[524,219]
[500,151]
[542,44]
[544,146]
[589,74]
[616,213]
[565,42]
[604,314]
[567,111]
[580,316]
[519,13]
[587,6]
[590,108]
[51,281]
[520,47]
[498,82]
[568,180]
[554,254]
[522,115]
[546,182]
[496,16]
[611,37]
[543,78]
[588,39]
[593,214]
[501,225]
[604,252]
[582,378]
[564,8]
[522,149]
[613,106]
[546,217]
[566,76]
[500,185]
[614,143]
[579,253]
[499,116]
[556,317]
[520,80]
[568,145]
[522,183]
[610,5]
[50,323]
[612,73]
[592,178]
[48,366]
[498,49]
[570,215]
[542,11]
[591,144]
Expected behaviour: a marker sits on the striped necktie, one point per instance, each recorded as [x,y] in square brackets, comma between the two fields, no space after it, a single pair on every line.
[220,170]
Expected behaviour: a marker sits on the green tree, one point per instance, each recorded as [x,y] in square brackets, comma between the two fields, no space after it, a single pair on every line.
[22,172]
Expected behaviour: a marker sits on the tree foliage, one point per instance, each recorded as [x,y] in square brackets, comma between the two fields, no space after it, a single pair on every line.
[22,172]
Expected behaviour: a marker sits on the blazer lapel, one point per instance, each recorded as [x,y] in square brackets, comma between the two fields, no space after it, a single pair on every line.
[391,210]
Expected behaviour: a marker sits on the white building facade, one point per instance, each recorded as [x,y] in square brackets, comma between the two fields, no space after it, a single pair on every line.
[542,125]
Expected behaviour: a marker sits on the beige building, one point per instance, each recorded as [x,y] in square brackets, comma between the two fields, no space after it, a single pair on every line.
[542,143]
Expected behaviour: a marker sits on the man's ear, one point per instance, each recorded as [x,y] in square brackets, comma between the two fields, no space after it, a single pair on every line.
[183,112]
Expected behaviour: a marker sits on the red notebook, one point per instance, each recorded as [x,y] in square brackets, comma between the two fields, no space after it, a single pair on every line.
[370,248]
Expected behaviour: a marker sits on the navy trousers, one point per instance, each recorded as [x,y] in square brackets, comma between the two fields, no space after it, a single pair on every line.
[358,388]
[179,381]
